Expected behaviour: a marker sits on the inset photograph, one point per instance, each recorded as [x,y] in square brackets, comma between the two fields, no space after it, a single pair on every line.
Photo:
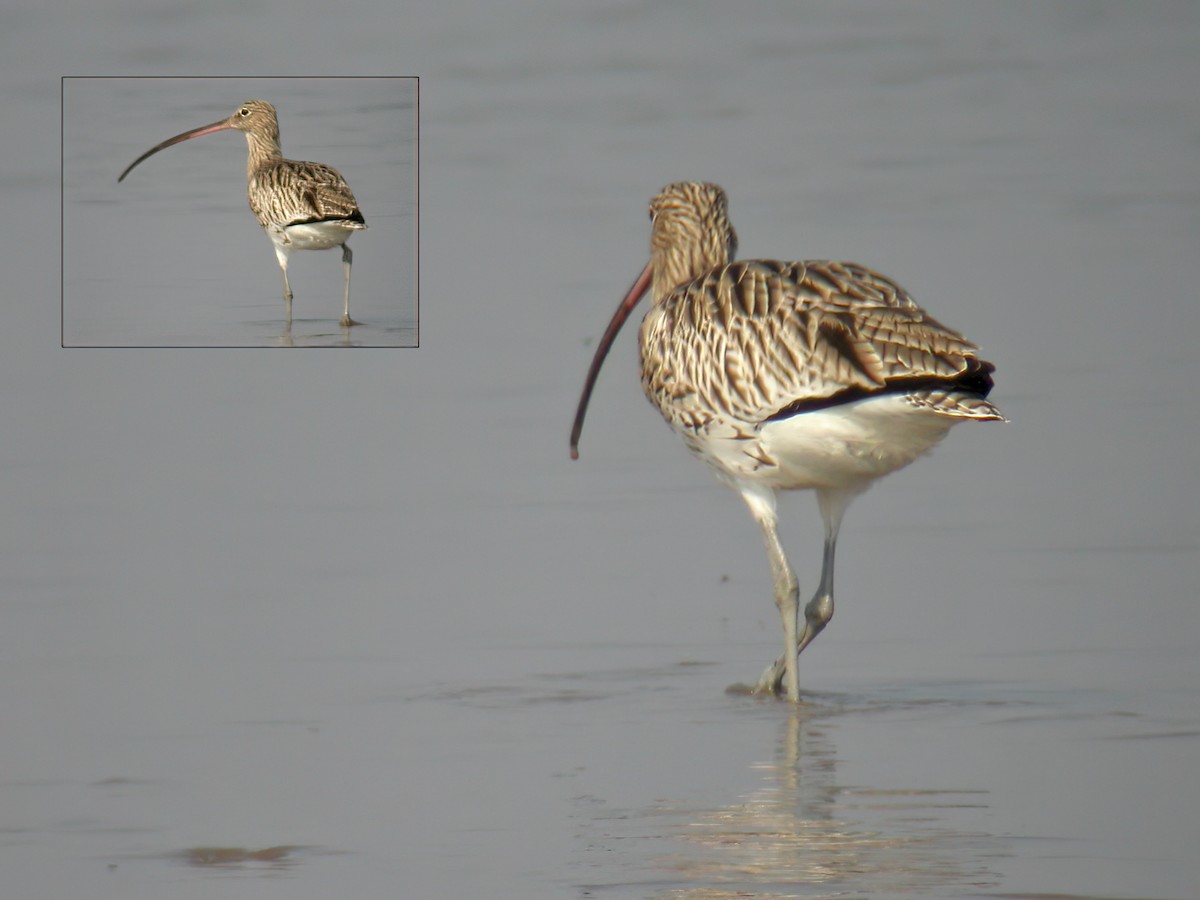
[177,234]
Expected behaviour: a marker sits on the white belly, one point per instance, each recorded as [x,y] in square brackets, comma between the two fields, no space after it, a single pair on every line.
[313,235]
[843,447]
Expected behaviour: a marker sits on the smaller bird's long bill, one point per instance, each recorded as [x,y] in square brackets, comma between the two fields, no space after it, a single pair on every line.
[195,132]
[610,334]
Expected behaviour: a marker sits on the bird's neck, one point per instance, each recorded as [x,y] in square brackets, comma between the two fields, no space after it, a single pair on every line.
[684,261]
[264,148]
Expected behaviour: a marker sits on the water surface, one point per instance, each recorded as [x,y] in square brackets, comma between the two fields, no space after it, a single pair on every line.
[329,624]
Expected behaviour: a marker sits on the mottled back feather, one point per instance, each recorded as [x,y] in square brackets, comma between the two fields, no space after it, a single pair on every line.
[759,340]
[288,192]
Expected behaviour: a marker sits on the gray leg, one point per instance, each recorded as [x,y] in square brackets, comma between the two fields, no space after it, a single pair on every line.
[819,609]
[287,293]
[762,506]
[287,288]
[347,259]
[787,588]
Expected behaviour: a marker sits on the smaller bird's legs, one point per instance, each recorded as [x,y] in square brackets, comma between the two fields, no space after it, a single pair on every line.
[287,288]
[347,259]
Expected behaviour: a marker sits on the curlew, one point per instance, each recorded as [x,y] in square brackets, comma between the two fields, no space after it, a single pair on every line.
[813,375]
[300,205]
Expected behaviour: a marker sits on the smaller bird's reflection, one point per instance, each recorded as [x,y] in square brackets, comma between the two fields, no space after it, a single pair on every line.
[317,339]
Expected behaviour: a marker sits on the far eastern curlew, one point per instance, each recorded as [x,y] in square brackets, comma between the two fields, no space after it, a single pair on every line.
[300,205]
[789,376]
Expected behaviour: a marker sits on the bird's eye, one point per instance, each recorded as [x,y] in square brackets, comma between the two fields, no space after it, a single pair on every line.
[244,111]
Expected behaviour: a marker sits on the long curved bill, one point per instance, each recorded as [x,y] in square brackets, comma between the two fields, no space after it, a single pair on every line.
[631,300]
[195,132]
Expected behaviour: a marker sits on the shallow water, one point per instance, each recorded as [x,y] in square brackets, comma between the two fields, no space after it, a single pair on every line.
[327,624]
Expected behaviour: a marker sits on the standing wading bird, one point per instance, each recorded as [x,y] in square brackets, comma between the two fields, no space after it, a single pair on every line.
[300,205]
[789,376]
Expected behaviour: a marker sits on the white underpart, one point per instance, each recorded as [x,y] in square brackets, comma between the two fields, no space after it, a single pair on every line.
[312,235]
[844,447]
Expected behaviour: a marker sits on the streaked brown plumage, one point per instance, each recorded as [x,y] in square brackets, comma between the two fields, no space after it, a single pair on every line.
[300,205]
[789,375]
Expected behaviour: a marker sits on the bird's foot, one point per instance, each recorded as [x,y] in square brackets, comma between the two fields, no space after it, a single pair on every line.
[346,321]
[770,683]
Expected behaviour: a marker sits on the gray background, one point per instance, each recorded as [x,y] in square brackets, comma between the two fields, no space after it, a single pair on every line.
[363,605]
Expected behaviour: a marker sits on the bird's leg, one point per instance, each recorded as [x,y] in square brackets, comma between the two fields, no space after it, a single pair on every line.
[787,588]
[347,259]
[287,294]
[282,256]
[819,609]
[762,506]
